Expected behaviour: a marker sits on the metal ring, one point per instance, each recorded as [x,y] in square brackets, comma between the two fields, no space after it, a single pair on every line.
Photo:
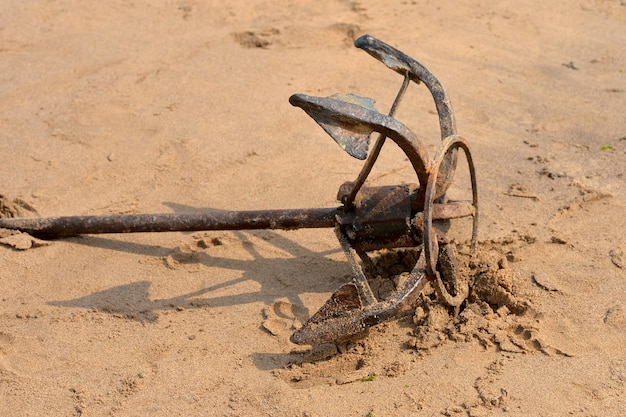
[431,247]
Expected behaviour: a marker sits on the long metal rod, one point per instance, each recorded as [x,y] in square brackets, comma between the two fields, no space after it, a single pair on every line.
[174,222]
[288,219]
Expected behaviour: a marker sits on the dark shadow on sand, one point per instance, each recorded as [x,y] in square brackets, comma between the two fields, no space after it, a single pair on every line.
[133,300]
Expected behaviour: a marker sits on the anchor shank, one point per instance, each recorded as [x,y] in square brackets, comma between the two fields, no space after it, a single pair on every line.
[52,227]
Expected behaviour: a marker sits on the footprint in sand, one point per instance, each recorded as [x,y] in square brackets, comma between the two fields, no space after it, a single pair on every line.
[283,318]
[6,340]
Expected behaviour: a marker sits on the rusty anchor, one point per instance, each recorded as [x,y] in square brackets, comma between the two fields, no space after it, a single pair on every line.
[369,219]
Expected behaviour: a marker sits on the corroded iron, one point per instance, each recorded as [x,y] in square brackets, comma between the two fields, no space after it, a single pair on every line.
[369,219]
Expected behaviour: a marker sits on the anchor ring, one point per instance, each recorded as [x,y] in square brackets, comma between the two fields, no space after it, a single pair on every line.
[431,246]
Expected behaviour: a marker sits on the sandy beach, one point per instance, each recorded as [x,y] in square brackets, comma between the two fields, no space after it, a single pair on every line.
[133,106]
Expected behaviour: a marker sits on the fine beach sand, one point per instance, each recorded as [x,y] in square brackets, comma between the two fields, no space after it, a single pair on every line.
[143,107]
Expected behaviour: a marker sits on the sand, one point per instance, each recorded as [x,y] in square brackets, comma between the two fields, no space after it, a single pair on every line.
[140,107]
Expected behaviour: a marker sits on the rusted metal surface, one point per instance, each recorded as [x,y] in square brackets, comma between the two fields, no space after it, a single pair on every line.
[53,227]
[369,219]
[345,316]
[409,67]
[351,116]
[380,215]
[292,219]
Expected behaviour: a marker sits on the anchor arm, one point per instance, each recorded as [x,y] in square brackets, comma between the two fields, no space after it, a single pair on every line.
[409,67]
[354,117]
[404,64]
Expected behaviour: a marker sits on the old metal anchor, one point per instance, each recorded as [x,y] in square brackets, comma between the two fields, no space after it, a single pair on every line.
[369,219]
